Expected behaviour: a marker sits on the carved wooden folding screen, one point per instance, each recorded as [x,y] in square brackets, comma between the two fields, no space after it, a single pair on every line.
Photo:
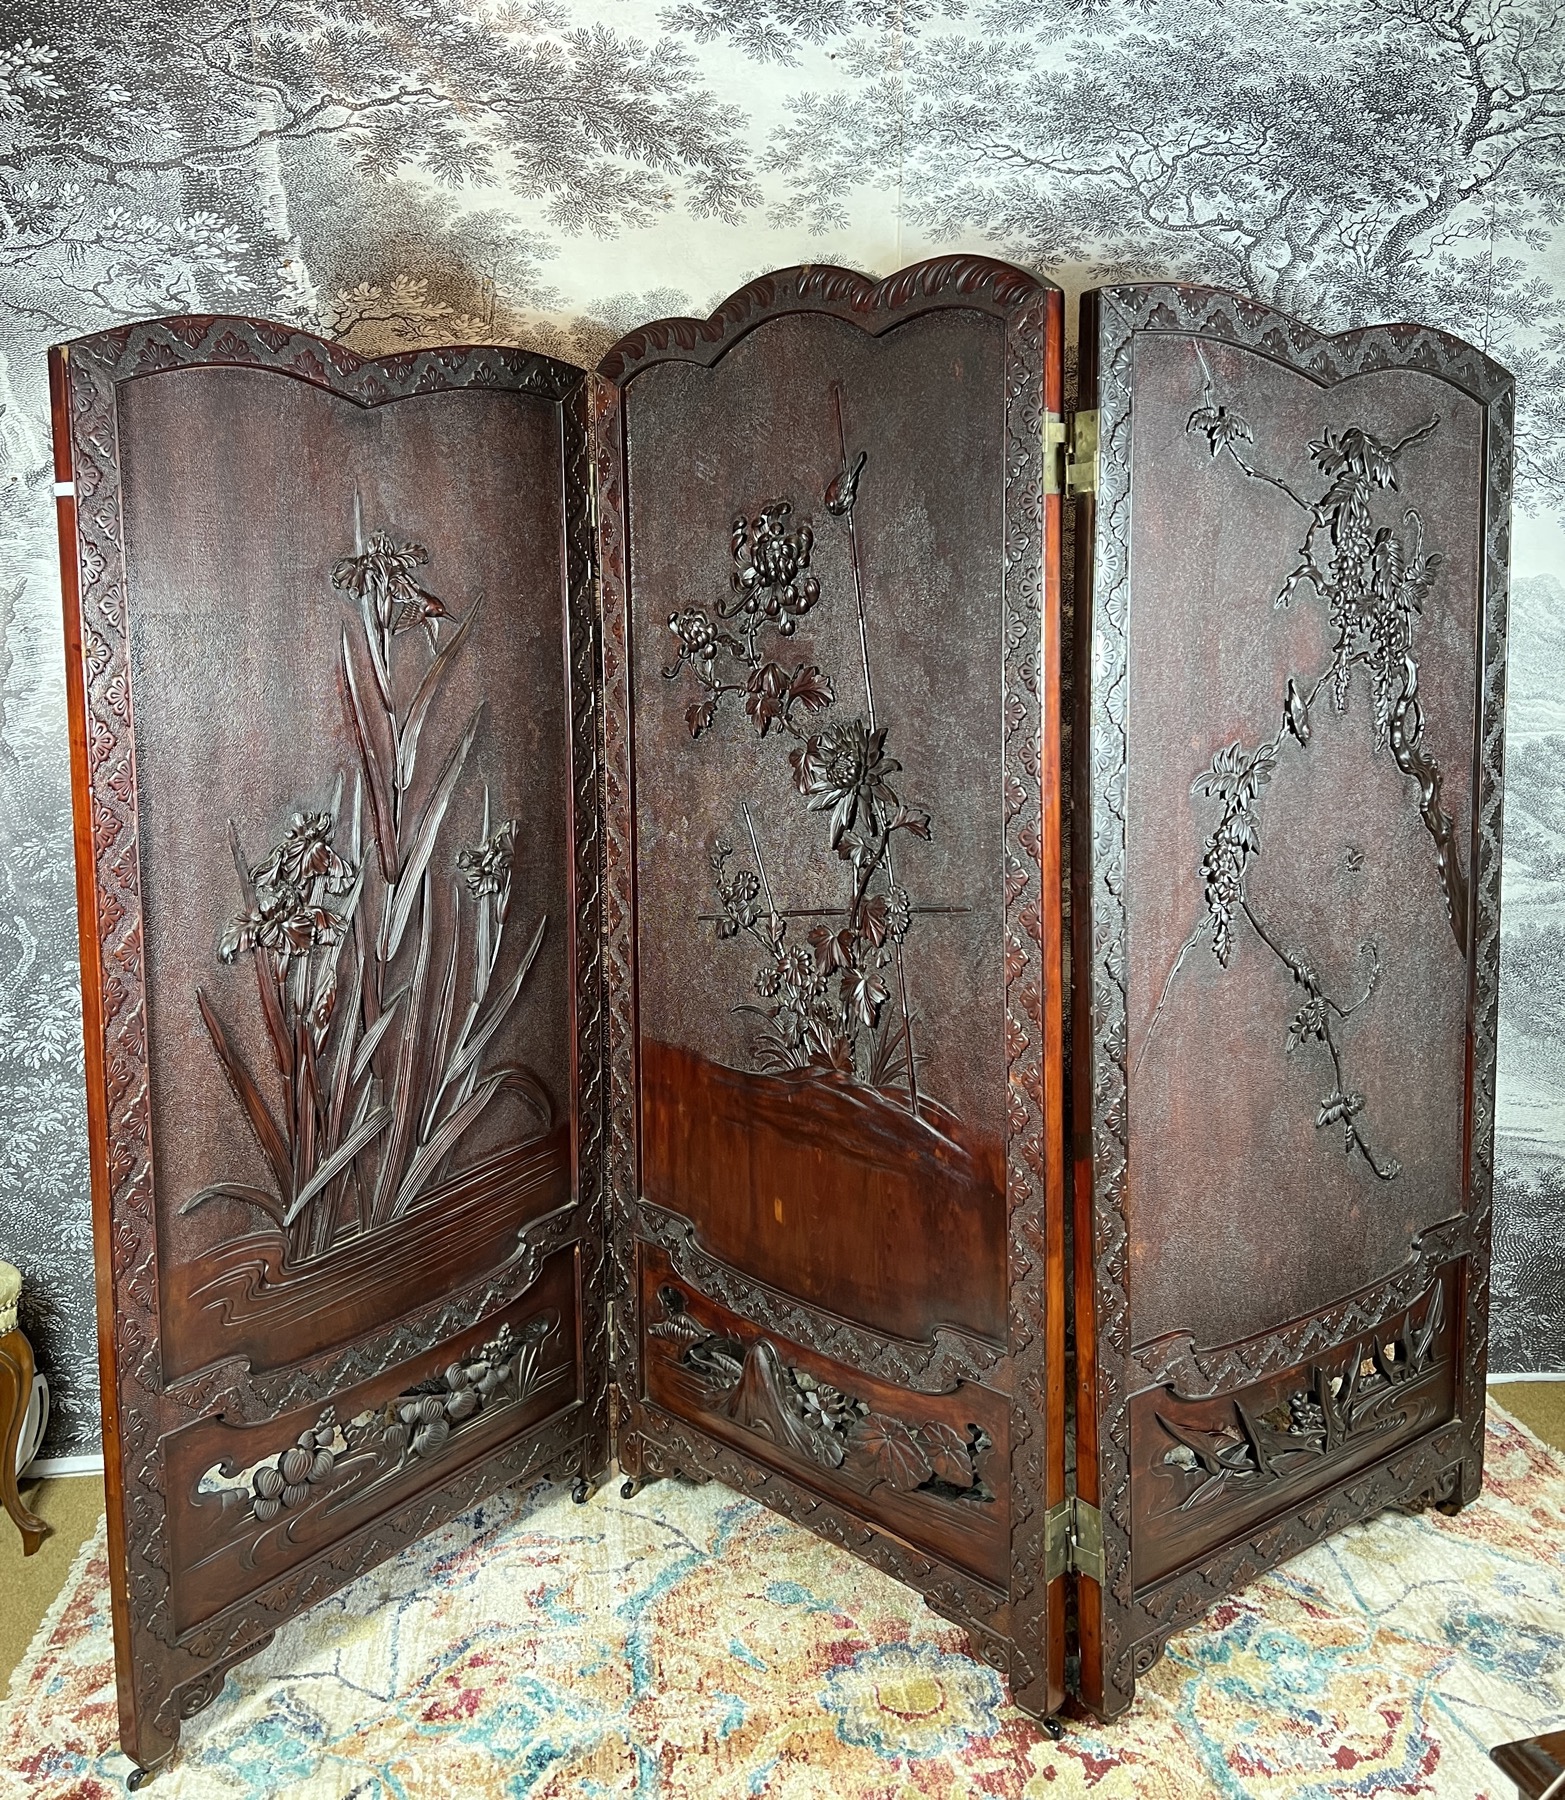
[831,658]
[333,700]
[1288,868]
[369,1178]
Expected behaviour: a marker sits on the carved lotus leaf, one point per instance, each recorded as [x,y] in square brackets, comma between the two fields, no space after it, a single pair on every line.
[462,1404]
[296,1493]
[321,1465]
[892,1450]
[460,1375]
[266,1510]
[950,1454]
[295,1464]
[269,1483]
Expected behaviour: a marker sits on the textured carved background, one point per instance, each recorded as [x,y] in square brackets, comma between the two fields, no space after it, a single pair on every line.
[1030,1104]
[426,181]
[1127,1615]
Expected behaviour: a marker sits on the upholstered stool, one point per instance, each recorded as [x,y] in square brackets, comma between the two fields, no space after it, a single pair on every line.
[18,1409]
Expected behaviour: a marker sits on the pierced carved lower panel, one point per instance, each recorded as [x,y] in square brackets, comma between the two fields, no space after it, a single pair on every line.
[1429,1471]
[1208,1467]
[259,1499]
[931,1467]
[179,1680]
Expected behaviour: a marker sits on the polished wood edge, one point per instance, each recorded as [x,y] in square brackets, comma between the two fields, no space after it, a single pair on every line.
[61,396]
[1535,1764]
[1088,1592]
[1053,802]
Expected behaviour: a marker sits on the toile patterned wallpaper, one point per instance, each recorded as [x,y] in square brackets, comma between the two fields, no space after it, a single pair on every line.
[552,172]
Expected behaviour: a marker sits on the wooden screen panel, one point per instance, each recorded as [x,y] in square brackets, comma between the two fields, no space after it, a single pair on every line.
[831,667]
[1290,705]
[331,659]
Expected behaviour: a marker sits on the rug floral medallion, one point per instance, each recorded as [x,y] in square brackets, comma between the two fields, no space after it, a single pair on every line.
[689,1645]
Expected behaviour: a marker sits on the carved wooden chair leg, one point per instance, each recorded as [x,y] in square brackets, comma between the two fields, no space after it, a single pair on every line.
[16,1391]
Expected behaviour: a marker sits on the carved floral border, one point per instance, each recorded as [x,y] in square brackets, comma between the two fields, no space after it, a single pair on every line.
[1450,1460]
[163,1680]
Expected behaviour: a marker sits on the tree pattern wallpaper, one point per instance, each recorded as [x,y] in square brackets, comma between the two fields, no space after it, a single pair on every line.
[551,172]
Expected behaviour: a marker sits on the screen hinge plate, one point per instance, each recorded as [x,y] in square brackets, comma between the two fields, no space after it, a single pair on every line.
[1070,454]
[1073,1540]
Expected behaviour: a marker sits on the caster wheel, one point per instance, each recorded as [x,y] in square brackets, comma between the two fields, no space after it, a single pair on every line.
[581,1490]
[1054,1728]
[135,1779]
[629,1488]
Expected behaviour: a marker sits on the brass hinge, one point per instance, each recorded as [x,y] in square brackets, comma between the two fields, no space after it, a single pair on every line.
[1070,454]
[1073,1540]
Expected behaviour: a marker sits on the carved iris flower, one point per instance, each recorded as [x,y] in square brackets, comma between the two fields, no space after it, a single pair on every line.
[383,578]
[283,922]
[305,855]
[486,868]
[846,768]
[287,916]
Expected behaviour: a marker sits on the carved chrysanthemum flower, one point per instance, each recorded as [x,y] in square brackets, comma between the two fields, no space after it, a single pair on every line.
[771,568]
[846,768]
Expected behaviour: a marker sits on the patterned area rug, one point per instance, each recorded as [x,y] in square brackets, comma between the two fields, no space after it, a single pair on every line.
[689,1645]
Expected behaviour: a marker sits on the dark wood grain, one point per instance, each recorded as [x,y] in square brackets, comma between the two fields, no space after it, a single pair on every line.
[244,551]
[1289,742]
[1536,1764]
[872,1219]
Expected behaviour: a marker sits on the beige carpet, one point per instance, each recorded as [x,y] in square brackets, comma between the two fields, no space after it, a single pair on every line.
[689,1645]
[72,1504]
[1540,1405]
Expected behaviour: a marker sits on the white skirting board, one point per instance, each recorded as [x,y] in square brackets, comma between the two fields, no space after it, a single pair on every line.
[66,1465]
[1495,1380]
